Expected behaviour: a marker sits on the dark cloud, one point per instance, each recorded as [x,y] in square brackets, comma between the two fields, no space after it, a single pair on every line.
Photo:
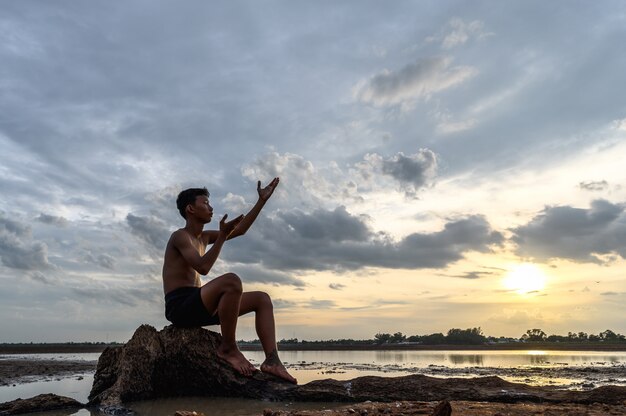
[578,234]
[415,170]
[17,250]
[411,172]
[337,225]
[336,286]
[52,220]
[151,230]
[594,185]
[280,244]
[473,275]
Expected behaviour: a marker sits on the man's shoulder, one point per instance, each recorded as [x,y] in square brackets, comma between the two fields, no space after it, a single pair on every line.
[177,235]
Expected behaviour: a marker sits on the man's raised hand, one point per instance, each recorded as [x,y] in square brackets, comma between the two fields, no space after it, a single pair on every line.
[265,193]
[227,228]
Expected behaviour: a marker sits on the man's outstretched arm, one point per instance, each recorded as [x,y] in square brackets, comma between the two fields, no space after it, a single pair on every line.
[248,219]
[202,264]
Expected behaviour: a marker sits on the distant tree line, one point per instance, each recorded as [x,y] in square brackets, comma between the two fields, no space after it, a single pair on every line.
[537,335]
[457,336]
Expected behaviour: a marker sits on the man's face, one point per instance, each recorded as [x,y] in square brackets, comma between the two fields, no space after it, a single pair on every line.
[202,208]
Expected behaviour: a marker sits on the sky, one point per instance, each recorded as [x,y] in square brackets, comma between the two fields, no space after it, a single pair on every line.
[442,164]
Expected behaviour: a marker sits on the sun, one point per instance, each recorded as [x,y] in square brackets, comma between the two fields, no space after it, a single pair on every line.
[524,278]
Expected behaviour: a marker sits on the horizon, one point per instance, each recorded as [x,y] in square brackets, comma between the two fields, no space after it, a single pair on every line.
[442,165]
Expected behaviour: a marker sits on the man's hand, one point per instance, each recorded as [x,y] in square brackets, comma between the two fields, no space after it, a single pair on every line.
[265,193]
[226,228]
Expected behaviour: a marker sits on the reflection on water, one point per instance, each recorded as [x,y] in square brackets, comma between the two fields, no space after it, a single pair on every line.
[208,406]
[461,359]
[68,386]
[451,358]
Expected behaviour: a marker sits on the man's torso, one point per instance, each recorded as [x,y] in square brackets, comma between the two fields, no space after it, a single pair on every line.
[176,271]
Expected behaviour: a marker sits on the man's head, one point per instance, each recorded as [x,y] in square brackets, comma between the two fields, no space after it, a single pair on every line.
[188,197]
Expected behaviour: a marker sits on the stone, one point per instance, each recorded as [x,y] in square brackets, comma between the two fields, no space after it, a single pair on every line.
[40,403]
[443,408]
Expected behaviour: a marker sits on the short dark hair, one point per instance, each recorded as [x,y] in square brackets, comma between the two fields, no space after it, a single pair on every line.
[188,196]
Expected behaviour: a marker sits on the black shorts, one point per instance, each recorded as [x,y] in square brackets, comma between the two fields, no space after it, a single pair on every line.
[184,308]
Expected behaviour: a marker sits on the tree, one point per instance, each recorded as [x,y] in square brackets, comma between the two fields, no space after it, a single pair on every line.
[608,335]
[434,339]
[534,335]
[382,338]
[473,336]
[397,338]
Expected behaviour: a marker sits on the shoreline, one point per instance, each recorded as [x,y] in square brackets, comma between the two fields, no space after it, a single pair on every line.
[11,349]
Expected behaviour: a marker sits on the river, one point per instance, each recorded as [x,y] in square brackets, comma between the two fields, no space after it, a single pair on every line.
[562,369]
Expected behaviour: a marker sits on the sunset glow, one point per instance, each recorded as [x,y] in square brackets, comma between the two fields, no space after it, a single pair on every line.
[524,279]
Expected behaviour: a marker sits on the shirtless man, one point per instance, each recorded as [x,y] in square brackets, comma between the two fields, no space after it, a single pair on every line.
[189,303]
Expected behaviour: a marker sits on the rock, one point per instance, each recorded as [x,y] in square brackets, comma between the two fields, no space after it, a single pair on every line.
[40,403]
[183,362]
[173,362]
[443,408]
[187,413]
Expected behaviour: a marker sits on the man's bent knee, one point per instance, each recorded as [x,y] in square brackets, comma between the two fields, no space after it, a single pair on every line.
[260,301]
[265,300]
[233,282]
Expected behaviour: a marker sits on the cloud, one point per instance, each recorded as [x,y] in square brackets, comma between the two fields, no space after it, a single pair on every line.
[411,172]
[336,286]
[127,296]
[283,303]
[150,229]
[416,80]
[52,220]
[235,203]
[257,274]
[473,275]
[298,177]
[103,260]
[594,185]
[461,32]
[337,225]
[578,234]
[345,242]
[320,304]
[17,250]
[42,278]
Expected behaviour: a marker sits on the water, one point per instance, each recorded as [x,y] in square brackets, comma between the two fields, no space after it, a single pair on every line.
[562,369]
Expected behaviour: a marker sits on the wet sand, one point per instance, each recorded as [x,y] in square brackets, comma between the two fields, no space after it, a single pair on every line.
[461,408]
[16,371]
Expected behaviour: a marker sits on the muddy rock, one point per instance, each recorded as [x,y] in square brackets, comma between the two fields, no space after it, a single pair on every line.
[173,362]
[40,403]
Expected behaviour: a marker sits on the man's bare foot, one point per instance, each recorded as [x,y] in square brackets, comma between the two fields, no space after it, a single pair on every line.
[273,365]
[235,358]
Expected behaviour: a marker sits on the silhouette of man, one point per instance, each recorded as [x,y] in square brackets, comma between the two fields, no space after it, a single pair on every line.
[189,303]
